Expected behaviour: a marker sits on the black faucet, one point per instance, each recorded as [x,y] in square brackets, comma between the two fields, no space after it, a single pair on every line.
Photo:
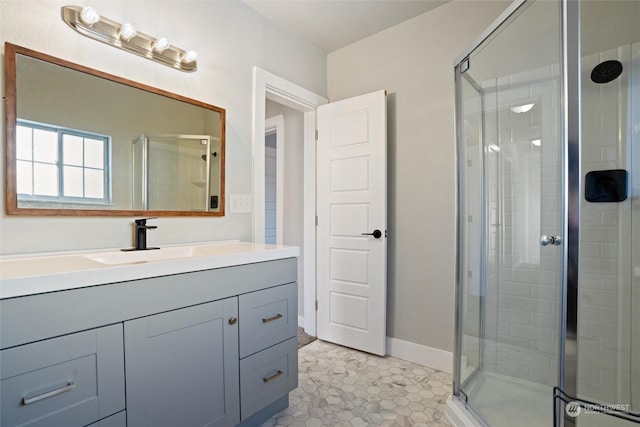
[141,234]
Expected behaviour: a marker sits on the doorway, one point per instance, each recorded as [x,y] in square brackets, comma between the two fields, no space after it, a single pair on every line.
[268,86]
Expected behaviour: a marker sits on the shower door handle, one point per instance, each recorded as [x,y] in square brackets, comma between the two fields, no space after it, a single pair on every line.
[550,240]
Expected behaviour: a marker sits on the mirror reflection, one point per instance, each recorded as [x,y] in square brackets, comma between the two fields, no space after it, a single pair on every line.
[89,143]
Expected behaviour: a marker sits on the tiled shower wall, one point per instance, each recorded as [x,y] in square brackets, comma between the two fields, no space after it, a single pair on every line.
[604,324]
[177,174]
[524,201]
[163,182]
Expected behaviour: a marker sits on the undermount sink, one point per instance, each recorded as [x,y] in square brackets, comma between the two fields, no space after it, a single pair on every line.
[137,257]
[170,252]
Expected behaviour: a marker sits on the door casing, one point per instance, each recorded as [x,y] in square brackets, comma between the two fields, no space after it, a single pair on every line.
[270,86]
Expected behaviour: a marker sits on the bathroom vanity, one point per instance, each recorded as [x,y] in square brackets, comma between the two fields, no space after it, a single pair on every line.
[182,336]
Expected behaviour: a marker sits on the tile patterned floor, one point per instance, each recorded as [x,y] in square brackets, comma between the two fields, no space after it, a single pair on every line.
[344,387]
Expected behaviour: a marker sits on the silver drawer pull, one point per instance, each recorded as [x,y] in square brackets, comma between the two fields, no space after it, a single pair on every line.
[271,319]
[272,377]
[29,400]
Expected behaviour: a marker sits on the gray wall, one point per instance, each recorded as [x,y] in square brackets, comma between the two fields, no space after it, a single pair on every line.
[413,61]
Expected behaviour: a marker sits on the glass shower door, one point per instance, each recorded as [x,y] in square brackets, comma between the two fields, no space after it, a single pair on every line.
[511,218]
[176,173]
[470,310]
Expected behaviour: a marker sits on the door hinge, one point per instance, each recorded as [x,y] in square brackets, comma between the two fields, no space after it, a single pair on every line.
[316,305]
[316,220]
[464,66]
[316,135]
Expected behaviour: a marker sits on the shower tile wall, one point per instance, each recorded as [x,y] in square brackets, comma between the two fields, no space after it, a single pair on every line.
[177,175]
[163,179]
[192,170]
[605,282]
[523,194]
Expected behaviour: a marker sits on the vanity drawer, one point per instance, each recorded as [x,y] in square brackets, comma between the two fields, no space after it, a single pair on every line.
[267,376]
[267,317]
[68,381]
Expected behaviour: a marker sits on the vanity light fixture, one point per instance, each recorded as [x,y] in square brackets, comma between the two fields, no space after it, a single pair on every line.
[127,32]
[161,44]
[88,22]
[189,56]
[89,15]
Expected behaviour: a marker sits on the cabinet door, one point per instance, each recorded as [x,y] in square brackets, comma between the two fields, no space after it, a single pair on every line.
[182,367]
[67,381]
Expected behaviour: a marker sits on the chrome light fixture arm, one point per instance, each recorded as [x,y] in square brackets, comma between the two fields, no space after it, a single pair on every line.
[89,23]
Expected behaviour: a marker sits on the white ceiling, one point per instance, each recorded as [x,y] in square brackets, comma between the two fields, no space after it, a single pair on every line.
[333,24]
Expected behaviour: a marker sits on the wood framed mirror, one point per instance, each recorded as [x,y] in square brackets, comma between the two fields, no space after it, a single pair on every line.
[83,142]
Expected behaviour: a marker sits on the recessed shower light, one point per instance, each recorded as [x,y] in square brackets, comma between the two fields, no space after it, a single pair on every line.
[518,109]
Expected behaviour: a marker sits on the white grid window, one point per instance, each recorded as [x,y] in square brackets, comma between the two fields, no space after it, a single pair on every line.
[61,164]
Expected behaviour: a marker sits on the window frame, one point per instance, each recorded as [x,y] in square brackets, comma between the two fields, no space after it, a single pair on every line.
[61,131]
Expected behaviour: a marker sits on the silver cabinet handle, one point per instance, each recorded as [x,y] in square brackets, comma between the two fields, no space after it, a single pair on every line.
[271,319]
[272,377]
[29,400]
[550,240]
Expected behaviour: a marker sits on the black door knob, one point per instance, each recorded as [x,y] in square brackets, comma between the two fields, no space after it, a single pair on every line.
[376,233]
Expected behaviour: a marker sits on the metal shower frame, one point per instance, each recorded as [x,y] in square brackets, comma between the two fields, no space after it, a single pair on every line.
[570,131]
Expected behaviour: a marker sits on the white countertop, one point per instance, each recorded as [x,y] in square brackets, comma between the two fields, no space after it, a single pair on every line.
[34,274]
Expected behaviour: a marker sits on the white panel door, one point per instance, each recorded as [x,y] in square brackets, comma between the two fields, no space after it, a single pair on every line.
[352,200]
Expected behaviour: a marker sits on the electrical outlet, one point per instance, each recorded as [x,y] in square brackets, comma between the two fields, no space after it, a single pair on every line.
[240,203]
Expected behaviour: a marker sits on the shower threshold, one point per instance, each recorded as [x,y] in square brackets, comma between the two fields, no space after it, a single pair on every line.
[503,401]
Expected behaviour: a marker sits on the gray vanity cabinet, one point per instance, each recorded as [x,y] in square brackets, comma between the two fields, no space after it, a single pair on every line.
[204,348]
[182,367]
[116,420]
[69,381]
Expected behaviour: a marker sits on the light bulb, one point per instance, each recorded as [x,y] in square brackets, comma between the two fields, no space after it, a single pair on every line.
[127,32]
[190,56]
[161,44]
[89,15]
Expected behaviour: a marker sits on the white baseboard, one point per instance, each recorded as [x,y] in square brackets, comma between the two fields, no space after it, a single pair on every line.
[421,354]
[416,353]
